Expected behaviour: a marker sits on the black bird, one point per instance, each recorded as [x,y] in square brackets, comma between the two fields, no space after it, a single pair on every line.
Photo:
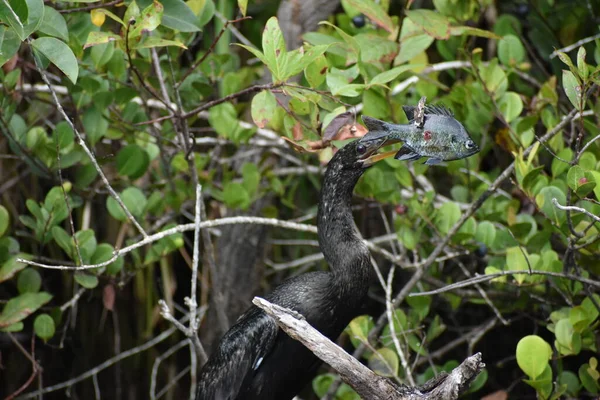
[255,359]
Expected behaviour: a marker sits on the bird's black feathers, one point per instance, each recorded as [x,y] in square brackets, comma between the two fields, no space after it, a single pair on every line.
[257,361]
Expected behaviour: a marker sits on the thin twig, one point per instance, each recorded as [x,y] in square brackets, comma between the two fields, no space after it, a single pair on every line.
[87,150]
[575,45]
[488,277]
[111,361]
[573,208]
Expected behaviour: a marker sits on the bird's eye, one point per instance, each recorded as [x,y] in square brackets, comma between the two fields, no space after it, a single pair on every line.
[469,144]
[361,149]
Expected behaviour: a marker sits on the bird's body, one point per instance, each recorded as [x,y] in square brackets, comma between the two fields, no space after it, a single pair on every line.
[255,359]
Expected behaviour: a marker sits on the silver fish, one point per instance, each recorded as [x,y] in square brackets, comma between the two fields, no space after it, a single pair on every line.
[435,134]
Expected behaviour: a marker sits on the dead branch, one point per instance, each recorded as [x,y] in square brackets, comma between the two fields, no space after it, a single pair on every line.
[364,381]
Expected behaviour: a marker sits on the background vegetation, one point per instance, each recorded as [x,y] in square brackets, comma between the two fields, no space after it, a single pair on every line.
[113,115]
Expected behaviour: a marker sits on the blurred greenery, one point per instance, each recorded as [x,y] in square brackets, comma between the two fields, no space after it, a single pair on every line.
[163,102]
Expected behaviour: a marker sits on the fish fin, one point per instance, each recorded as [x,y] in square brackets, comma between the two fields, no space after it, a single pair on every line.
[409,111]
[406,153]
[374,124]
[433,161]
[438,110]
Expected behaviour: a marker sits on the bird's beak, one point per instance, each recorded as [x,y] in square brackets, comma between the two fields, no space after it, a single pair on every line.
[384,140]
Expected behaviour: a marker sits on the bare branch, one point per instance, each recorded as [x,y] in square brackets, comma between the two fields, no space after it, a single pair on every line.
[573,208]
[364,381]
[485,278]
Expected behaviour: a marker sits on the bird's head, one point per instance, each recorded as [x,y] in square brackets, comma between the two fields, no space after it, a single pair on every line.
[359,155]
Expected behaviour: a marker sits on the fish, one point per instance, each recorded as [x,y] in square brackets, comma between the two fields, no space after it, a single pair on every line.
[432,132]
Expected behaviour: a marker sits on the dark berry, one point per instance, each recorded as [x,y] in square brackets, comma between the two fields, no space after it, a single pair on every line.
[481,251]
[359,21]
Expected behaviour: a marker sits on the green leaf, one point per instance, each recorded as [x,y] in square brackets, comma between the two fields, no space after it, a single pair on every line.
[469,30]
[563,330]
[243,5]
[533,354]
[63,239]
[274,50]
[235,195]
[251,176]
[44,326]
[54,24]
[132,161]
[412,41]
[35,16]
[18,327]
[59,54]
[20,307]
[11,267]
[510,50]
[433,23]
[390,75]
[510,105]
[316,71]
[581,65]
[180,17]
[95,38]
[86,280]
[572,88]
[134,200]
[264,107]
[494,78]
[148,20]
[574,177]
[29,281]
[360,327]
[153,41]
[516,260]
[544,202]
[9,43]
[587,380]
[4,220]
[486,233]
[295,61]
[223,118]
[86,239]
[256,53]
[14,17]
[384,362]
[374,12]
[565,59]
[446,216]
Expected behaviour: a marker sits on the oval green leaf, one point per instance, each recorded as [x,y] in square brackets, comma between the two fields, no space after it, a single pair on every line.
[533,354]
[59,54]
[29,281]
[44,326]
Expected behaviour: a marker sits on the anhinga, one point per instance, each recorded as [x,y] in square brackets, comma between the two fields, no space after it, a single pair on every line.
[255,359]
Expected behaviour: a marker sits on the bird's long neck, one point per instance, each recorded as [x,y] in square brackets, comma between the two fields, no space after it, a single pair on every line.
[344,251]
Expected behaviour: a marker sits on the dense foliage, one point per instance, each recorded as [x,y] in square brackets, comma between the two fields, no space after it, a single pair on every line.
[113,115]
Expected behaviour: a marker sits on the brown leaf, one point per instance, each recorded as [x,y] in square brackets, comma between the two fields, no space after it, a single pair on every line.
[297,131]
[336,124]
[351,131]
[108,297]
[503,139]
[499,395]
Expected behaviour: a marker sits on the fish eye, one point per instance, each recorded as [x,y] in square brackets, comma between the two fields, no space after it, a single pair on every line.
[469,144]
[361,149]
